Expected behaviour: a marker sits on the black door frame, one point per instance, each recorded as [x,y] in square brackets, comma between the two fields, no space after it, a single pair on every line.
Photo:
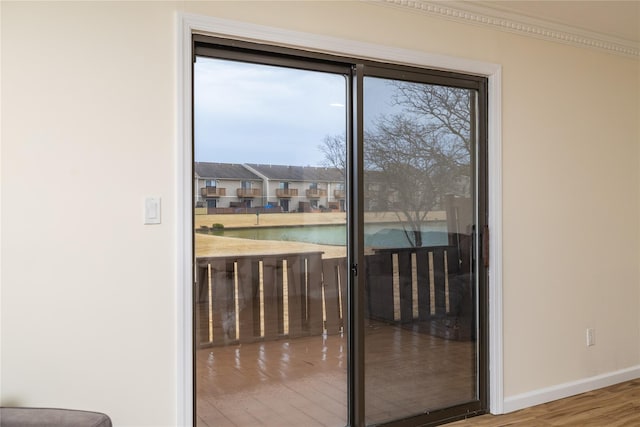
[356,68]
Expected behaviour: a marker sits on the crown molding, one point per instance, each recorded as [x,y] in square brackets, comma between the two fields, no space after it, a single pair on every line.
[477,14]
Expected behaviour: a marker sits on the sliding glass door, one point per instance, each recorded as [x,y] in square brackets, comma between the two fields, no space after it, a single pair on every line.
[420,216]
[270,257]
[338,210]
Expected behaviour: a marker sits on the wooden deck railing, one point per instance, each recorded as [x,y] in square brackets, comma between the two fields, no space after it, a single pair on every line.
[286,192]
[213,191]
[264,297]
[431,287]
[424,283]
[316,193]
[249,298]
[248,192]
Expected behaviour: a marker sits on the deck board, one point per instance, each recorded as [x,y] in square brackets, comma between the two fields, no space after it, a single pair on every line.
[302,381]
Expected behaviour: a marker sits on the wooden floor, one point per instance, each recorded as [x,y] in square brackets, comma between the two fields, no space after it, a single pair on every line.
[302,382]
[614,406]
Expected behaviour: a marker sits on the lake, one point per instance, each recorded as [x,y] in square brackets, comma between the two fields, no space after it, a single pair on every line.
[380,235]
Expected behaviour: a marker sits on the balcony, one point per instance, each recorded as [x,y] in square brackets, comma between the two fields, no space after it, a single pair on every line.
[285,193]
[316,193]
[213,192]
[339,194]
[291,357]
[248,192]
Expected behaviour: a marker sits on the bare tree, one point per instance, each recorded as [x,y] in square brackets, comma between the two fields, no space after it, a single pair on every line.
[417,157]
[414,164]
[448,110]
[334,149]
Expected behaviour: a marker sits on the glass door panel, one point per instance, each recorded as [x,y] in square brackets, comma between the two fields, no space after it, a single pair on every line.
[270,245]
[419,208]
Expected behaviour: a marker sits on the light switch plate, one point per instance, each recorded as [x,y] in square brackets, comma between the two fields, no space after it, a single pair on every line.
[152,210]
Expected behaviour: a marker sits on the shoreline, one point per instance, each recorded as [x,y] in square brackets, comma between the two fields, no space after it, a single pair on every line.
[212,245]
[253,227]
[292,219]
[207,245]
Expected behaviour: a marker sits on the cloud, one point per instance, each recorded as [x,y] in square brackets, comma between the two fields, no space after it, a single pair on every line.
[255,113]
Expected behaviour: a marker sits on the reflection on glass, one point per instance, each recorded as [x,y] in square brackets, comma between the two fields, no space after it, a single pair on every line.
[420,339]
[271,277]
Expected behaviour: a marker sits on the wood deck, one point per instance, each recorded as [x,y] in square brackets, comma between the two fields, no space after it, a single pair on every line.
[302,381]
[263,358]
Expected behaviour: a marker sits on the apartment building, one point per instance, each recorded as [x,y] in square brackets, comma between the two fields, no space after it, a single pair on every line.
[281,188]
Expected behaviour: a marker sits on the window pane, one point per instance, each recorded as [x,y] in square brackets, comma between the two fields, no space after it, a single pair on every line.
[270,245]
[420,339]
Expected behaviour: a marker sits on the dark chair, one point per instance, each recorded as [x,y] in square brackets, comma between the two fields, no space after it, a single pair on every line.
[45,417]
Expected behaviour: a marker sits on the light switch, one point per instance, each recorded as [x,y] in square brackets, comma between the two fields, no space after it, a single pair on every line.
[152,210]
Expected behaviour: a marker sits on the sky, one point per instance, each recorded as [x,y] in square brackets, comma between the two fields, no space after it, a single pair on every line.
[248,113]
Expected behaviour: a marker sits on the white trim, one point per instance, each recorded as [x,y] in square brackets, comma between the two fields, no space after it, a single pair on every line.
[482,15]
[496,381]
[560,391]
[332,45]
[184,232]
[195,24]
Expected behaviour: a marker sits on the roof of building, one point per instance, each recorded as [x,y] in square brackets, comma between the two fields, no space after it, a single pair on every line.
[224,171]
[298,173]
[242,172]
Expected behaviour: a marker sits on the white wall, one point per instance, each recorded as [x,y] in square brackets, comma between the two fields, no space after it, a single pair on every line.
[88,129]
[88,291]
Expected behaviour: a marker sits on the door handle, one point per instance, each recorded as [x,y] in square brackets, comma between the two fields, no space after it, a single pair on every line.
[485,246]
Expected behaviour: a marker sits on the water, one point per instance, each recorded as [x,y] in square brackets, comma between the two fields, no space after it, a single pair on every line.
[433,234]
[379,235]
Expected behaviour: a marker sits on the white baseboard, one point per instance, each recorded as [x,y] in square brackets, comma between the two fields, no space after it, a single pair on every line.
[560,391]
